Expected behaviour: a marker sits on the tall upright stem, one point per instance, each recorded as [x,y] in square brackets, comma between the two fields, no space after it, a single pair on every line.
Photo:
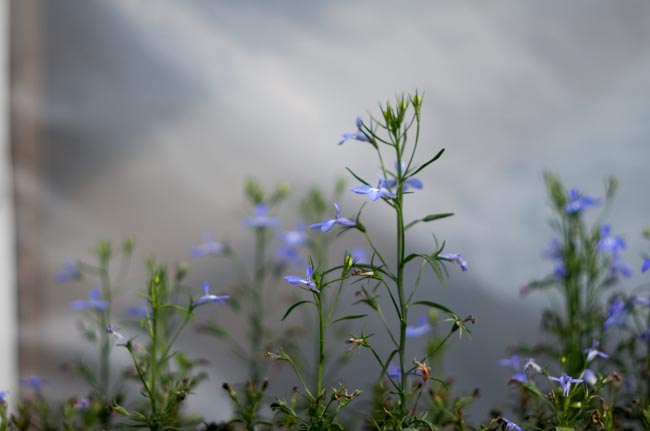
[403,317]
[256,306]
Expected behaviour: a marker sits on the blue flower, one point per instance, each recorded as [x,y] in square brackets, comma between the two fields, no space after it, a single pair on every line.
[590,377]
[3,396]
[82,404]
[329,224]
[578,202]
[260,219]
[646,265]
[208,297]
[408,182]
[208,247]
[291,255]
[358,255]
[34,382]
[141,311]
[94,303]
[307,282]
[532,365]
[114,332]
[616,313]
[294,237]
[610,243]
[514,363]
[554,252]
[508,425]
[375,193]
[565,382]
[70,272]
[455,257]
[618,267]
[359,135]
[422,329]
[593,352]
[394,371]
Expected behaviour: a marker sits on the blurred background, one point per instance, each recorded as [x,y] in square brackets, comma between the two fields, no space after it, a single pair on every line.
[144,119]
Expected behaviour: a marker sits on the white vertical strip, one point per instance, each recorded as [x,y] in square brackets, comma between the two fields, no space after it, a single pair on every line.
[8,304]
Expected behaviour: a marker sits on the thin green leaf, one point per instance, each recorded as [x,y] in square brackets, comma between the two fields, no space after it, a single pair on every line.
[357,177]
[293,307]
[349,317]
[430,217]
[436,305]
[433,263]
[436,157]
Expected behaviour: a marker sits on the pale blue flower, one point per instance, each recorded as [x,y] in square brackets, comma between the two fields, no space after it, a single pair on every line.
[422,329]
[455,257]
[141,311]
[208,247]
[70,272]
[619,268]
[294,237]
[93,303]
[531,365]
[646,265]
[3,396]
[374,193]
[616,313]
[554,252]
[565,381]
[610,243]
[514,362]
[307,282]
[82,404]
[260,219]
[394,371]
[579,202]
[291,255]
[34,382]
[359,255]
[208,297]
[509,426]
[329,224]
[593,352]
[121,339]
[590,377]
[359,135]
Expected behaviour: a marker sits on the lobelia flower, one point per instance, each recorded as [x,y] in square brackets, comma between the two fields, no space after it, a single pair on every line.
[616,313]
[326,225]
[208,297]
[82,404]
[208,247]
[119,337]
[455,257]
[646,265]
[532,365]
[393,371]
[307,282]
[3,396]
[408,182]
[34,382]
[593,352]
[422,329]
[293,239]
[94,303]
[554,252]
[291,255]
[509,426]
[514,363]
[141,311]
[578,202]
[619,268]
[610,243]
[638,300]
[358,255]
[70,272]
[375,193]
[590,377]
[565,382]
[359,135]
[260,219]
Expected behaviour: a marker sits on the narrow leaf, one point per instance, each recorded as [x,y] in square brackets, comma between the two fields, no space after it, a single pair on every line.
[294,306]
[350,317]
[436,157]
[357,177]
[436,305]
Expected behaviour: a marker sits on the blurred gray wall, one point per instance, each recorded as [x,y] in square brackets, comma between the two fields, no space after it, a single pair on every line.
[154,113]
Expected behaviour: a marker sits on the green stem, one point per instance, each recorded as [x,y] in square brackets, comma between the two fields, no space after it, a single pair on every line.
[256,316]
[321,346]
[400,287]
